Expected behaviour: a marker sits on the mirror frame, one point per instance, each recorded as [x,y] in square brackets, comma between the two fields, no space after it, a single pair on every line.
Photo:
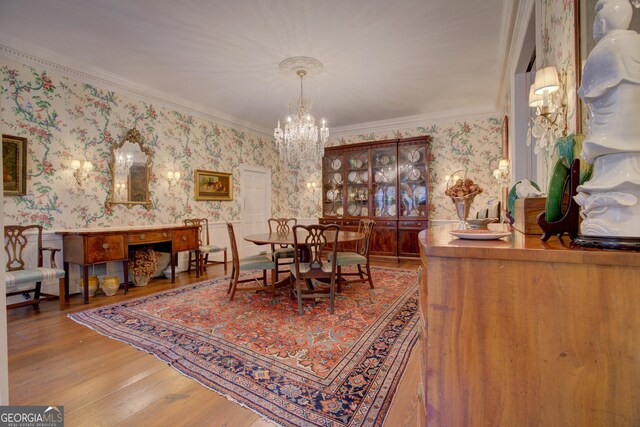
[133,136]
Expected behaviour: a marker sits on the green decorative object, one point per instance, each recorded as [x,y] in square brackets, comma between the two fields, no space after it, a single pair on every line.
[553,208]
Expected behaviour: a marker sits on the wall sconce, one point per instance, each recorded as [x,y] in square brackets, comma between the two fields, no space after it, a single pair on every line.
[81,170]
[173,177]
[502,171]
[547,96]
[311,186]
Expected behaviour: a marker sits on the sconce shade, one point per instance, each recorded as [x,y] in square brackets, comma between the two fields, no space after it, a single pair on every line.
[546,80]
[503,165]
[87,165]
[534,100]
[75,164]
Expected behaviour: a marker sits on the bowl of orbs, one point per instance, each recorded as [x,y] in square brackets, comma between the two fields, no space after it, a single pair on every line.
[462,193]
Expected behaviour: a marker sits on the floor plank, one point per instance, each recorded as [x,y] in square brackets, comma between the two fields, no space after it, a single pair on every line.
[104,382]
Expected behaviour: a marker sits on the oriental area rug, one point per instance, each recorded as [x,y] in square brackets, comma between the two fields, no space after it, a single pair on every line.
[314,369]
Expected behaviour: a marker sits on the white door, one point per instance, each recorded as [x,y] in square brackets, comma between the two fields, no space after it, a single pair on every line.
[256,207]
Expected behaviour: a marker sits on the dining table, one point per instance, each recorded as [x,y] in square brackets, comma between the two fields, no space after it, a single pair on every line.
[288,239]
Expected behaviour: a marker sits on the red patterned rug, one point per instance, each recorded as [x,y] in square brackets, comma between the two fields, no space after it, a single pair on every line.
[316,369]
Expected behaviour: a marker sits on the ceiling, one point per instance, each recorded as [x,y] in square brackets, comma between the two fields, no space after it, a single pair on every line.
[384,61]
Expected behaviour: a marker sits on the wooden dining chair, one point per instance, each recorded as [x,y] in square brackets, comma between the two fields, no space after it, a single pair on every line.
[206,248]
[314,239]
[256,262]
[19,272]
[282,252]
[358,258]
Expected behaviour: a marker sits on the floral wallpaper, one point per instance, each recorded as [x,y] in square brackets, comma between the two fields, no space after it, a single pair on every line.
[65,119]
[475,146]
[557,47]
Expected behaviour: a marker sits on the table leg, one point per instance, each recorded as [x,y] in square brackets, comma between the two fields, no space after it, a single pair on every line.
[125,266]
[174,261]
[85,282]
[66,280]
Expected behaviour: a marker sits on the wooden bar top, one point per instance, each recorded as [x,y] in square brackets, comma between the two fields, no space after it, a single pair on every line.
[438,242]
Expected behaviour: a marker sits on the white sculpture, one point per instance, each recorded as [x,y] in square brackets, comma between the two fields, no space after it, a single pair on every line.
[610,200]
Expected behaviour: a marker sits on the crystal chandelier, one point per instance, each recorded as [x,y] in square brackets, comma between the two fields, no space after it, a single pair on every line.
[300,140]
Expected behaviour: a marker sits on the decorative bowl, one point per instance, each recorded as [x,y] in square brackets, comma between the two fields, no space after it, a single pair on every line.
[93,285]
[110,285]
[480,223]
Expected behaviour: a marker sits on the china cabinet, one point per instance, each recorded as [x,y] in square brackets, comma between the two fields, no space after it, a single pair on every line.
[386,181]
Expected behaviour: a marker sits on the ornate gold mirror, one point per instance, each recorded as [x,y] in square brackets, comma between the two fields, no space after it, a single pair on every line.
[130,169]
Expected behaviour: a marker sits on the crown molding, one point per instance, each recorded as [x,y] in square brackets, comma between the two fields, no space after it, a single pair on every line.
[19,51]
[504,50]
[412,121]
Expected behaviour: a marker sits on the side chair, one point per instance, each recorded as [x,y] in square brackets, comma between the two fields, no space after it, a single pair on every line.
[16,244]
[256,262]
[359,258]
[315,239]
[282,252]
[206,248]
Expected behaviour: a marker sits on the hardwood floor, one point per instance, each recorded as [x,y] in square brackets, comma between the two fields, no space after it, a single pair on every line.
[104,382]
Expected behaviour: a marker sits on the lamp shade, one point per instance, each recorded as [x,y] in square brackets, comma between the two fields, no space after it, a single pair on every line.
[546,80]
[534,100]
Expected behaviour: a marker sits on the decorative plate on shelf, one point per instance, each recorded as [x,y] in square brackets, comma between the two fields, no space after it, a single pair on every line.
[384,160]
[336,164]
[364,211]
[339,211]
[479,234]
[364,177]
[392,210]
[331,195]
[414,175]
[353,210]
[414,156]
[358,163]
[337,178]
[352,177]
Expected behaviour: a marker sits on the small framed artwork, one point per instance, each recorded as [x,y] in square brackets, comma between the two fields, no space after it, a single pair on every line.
[14,165]
[213,185]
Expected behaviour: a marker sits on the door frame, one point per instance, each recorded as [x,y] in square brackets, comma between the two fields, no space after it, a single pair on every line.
[243,175]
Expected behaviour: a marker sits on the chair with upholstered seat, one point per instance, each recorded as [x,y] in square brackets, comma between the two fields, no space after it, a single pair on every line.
[18,273]
[256,262]
[309,243]
[358,258]
[282,252]
[206,248]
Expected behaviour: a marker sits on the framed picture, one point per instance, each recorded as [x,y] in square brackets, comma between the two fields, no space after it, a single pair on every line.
[14,165]
[213,185]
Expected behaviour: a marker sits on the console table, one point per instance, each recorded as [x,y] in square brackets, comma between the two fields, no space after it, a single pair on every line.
[86,247]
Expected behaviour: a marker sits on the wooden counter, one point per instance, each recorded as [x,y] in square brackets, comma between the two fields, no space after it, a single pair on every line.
[520,332]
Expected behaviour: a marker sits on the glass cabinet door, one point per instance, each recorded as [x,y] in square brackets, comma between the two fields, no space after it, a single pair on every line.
[412,174]
[357,178]
[384,181]
[332,185]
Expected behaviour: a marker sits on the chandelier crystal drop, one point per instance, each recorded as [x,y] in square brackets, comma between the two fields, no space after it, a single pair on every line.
[300,140]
